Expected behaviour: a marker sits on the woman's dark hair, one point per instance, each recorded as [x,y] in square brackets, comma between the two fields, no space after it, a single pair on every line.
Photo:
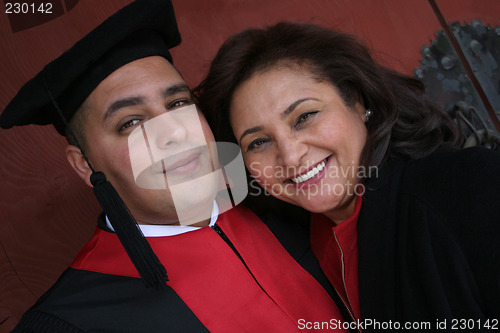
[403,123]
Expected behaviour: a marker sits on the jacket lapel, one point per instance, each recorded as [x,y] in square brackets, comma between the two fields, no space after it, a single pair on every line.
[378,283]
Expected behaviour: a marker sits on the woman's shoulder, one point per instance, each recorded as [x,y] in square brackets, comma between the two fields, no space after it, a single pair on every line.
[447,176]
[446,166]
[457,183]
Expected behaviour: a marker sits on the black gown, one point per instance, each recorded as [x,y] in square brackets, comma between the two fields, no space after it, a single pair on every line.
[244,281]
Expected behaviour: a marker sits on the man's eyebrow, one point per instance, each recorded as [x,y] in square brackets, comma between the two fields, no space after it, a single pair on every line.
[175,89]
[138,100]
[251,130]
[122,103]
[292,106]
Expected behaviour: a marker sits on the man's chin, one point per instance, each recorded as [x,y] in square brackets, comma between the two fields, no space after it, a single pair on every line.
[192,211]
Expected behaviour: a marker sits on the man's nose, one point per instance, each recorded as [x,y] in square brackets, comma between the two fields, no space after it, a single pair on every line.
[167,131]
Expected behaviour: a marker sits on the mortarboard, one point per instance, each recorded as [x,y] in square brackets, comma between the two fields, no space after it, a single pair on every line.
[141,29]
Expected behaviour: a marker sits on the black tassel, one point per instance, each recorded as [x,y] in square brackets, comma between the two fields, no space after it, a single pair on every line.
[151,270]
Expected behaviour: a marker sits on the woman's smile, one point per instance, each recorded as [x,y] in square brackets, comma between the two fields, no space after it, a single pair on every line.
[287,119]
[313,175]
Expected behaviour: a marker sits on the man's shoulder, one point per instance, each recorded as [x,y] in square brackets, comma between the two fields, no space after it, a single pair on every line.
[89,301]
[288,223]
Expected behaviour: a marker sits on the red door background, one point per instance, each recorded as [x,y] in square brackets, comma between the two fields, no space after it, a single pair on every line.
[47,213]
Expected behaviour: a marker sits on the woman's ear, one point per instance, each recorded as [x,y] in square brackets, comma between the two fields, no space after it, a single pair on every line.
[361,111]
[79,164]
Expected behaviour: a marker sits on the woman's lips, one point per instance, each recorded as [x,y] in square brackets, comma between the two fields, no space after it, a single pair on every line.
[311,176]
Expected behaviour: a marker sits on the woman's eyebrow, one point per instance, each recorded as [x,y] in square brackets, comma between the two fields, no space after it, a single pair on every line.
[284,114]
[292,106]
[251,130]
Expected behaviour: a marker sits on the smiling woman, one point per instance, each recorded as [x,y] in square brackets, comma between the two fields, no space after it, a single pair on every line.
[312,112]
[299,123]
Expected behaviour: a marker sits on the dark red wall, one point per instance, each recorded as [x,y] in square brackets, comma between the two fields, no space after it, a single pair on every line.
[47,213]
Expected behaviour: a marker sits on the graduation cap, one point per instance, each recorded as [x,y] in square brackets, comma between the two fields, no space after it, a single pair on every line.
[143,28]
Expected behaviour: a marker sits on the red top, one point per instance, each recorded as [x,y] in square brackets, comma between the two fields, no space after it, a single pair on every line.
[279,295]
[336,247]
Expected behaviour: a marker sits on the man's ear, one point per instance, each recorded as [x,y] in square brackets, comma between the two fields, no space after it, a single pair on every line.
[77,161]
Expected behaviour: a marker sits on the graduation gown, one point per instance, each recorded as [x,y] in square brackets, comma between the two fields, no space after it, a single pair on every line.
[429,241]
[237,278]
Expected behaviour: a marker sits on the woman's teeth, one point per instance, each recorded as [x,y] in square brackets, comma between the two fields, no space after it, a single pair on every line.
[311,173]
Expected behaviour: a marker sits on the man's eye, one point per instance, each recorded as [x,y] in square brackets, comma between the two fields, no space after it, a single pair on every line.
[178,103]
[129,123]
[257,144]
[303,118]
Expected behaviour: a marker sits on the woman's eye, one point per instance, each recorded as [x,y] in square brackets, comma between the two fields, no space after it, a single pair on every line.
[256,144]
[303,117]
[129,123]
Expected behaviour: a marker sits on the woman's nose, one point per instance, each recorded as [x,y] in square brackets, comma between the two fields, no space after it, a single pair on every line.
[291,151]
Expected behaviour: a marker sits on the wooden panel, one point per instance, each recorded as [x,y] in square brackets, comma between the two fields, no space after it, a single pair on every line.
[396,29]
[46,212]
[465,11]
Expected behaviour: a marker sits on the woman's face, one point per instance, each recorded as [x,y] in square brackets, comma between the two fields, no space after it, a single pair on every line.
[300,141]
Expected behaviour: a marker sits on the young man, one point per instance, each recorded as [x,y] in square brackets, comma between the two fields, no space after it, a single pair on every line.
[139,141]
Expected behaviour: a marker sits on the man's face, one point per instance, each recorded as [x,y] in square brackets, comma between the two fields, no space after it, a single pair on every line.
[149,99]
